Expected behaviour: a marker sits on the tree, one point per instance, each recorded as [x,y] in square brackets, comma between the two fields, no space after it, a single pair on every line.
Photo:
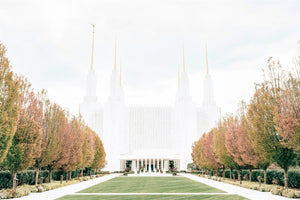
[261,130]
[232,143]
[71,146]
[76,155]
[263,134]
[198,155]
[43,101]
[65,134]
[245,149]
[288,110]
[99,159]
[208,151]
[224,157]
[53,121]
[88,148]
[26,144]
[9,103]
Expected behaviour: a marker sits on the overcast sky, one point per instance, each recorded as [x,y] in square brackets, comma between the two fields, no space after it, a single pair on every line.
[50,43]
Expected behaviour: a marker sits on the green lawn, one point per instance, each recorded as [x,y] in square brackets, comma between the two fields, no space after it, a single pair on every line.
[146,197]
[151,185]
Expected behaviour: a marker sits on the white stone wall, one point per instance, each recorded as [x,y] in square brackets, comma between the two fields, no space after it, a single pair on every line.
[150,128]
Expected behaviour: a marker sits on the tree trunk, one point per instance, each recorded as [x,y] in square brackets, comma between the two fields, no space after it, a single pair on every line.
[250,174]
[50,175]
[265,176]
[239,176]
[70,175]
[286,179]
[81,172]
[230,175]
[223,173]
[36,176]
[61,179]
[14,180]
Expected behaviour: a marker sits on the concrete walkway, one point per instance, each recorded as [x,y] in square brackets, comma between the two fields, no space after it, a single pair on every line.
[70,189]
[232,189]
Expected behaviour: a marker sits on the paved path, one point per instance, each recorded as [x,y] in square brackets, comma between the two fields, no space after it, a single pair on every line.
[70,189]
[232,189]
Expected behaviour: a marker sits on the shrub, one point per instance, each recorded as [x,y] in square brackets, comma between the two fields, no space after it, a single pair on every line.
[7,194]
[277,190]
[5,180]
[103,172]
[23,191]
[19,192]
[294,178]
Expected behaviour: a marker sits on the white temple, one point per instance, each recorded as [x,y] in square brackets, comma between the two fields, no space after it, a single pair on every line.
[148,138]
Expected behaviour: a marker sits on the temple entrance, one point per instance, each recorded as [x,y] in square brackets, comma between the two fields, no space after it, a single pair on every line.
[149,165]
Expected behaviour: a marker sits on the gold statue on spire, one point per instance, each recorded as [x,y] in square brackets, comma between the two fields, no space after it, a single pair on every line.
[206,60]
[178,76]
[92,59]
[115,66]
[183,58]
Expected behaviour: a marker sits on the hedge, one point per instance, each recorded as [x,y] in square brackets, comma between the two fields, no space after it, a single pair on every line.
[28,177]
[278,175]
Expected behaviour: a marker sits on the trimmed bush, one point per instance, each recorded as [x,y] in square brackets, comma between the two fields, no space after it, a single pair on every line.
[294,178]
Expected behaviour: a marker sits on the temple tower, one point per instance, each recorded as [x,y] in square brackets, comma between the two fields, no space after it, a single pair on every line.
[185,129]
[90,109]
[115,140]
[209,112]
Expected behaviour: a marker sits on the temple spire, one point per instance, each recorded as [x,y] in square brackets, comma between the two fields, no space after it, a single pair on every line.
[178,76]
[92,58]
[115,66]
[183,58]
[120,73]
[206,60]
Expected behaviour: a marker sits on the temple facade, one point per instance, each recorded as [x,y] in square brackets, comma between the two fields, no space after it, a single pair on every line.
[148,139]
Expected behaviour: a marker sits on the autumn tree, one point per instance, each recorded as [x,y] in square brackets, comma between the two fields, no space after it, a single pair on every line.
[237,140]
[263,134]
[9,103]
[208,151]
[88,148]
[62,160]
[222,154]
[99,158]
[288,110]
[198,155]
[53,121]
[76,155]
[43,102]
[232,142]
[71,146]
[26,143]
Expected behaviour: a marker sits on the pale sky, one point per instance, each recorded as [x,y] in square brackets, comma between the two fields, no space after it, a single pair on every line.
[49,42]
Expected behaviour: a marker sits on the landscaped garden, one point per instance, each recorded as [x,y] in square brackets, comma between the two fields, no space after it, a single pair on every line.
[151,185]
[151,188]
